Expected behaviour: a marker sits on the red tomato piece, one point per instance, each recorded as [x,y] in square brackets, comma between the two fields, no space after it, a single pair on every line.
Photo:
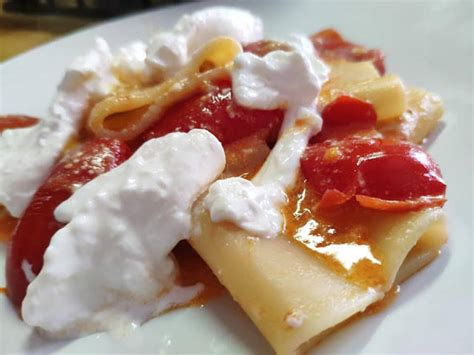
[265,46]
[16,121]
[333,197]
[400,171]
[398,175]
[37,225]
[331,45]
[332,165]
[327,39]
[344,116]
[219,114]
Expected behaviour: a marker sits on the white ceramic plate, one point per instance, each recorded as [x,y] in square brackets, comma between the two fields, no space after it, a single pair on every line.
[429,44]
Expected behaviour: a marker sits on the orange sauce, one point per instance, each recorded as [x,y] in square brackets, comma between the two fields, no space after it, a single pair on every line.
[245,156]
[3,290]
[192,269]
[338,236]
[7,225]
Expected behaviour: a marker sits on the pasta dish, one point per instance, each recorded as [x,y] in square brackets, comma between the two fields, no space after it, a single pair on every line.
[209,159]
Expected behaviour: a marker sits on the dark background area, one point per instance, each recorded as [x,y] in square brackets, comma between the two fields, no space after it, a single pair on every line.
[25,24]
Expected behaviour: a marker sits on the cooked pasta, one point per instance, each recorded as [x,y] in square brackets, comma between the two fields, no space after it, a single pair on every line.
[146,106]
[282,280]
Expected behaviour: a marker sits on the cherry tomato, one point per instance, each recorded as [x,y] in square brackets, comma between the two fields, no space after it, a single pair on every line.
[373,168]
[37,225]
[16,121]
[331,45]
[345,116]
[219,114]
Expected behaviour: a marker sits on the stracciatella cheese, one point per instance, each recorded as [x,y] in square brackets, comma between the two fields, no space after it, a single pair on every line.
[169,51]
[240,201]
[110,265]
[93,76]
[129,64]
[27,155]
[280,79]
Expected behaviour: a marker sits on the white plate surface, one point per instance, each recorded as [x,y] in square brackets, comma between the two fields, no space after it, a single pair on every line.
[429,44]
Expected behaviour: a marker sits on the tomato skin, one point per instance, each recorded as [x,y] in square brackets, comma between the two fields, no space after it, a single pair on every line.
[400,172]
[265,46]
[400,206]
[333,197]
[327,39]
[37,225]
[331,46]
[332,165]
[344,116]
[381,172]
[219,114]
[16,121]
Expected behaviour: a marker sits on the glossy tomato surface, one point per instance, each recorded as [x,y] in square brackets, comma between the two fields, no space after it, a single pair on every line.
[377,168]
[218,113]
[37,225]
[16,121]
[332,46]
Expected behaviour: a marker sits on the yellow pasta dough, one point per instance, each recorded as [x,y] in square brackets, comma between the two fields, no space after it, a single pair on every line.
[290,295]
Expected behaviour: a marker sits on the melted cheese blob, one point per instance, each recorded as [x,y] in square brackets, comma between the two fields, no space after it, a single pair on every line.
[27,155]
[111,265]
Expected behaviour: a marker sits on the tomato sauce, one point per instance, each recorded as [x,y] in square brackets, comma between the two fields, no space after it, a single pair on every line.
[16,121]
[335,236]
[7,225]
[193,270]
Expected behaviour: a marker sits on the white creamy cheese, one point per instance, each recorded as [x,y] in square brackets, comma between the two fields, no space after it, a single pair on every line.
[34,150]
[169,51]
[110,264]
[280,79]
[93,76]
[239,200]
[129,64]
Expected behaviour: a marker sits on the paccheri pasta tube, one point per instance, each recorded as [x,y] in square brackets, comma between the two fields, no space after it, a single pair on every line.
[291,296]
[146,106]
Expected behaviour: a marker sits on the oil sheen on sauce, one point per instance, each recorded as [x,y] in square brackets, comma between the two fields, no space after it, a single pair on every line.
[338,236]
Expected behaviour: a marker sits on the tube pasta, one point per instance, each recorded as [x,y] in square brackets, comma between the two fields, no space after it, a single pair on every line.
[209,63]
[386,93]
[423,114]
[283,281]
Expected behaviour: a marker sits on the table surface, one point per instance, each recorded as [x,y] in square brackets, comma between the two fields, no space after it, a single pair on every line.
[19,33]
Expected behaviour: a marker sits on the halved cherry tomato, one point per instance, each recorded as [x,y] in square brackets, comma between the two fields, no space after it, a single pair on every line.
[219,114]
[37,225]
[345,116]
[331,45]
[399,174]
[16,121]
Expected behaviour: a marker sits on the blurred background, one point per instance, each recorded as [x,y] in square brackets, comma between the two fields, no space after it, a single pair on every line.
[25,24]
